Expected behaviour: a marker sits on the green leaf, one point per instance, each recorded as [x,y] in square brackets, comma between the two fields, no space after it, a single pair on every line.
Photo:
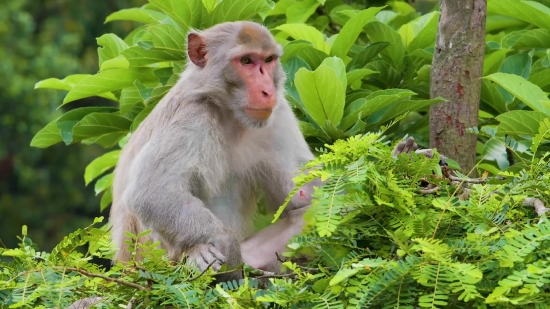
[68,83]
[357,75]
[395,53]
[522,89]
[375,101]
[351,30]
[309,130]
[47,136]
[337,65]
[235,10]
[528,39]
[299,12]
[106,199]
[108,81]
[187,14]
[520,122]
[139,15]
[112,47]
[519,64]
[139,57]
[425,29]
[322,94]
[100,165]
[60,129]
[366,55]
[492,96]
[541,79]
[116,63]
[343,274]
[66,122]
[103,183]
[493,61]
[528,11]
[307,33]
[166,37]
[304,50]
[399,108]
[128,98]
[101,125]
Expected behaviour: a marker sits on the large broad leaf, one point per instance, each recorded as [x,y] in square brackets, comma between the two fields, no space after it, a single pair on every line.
[108,81]
[305,50]
[351,30]
[234,10]
[522,89]
[112,47]
[128,98]
[491,95]
[139,57]
[425,31]
[541,79]
[519,64]
[139,15]
[337,65]
[322,94]
[165,37]
[101,125]
[307,33]
[372,103]
[141,116]
[528,11]
[299,12]
[100,165]
[528,39]
[103,183]
[357,75]
[68,83]
[493,61]
[395,53]
[498,22]
[61,128]
[187,14]
[366,55]
[399,108]
[520,122]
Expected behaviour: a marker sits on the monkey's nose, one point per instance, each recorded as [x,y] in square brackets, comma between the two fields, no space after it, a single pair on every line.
[265,94]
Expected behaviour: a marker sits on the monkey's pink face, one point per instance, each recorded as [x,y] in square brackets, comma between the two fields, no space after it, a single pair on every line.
[256,70]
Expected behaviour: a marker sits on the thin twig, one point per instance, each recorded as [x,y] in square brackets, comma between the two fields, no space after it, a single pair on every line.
[309,269]
[202,272]
[119,281]
[468,180]
[429,191]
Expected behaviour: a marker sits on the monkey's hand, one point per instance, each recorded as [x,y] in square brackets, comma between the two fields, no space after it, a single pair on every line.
[215,252]
[410,145]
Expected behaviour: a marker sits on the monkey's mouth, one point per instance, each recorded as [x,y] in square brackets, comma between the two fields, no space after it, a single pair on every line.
[257,113]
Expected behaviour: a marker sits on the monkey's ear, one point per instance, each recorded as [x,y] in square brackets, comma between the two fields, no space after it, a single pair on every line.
[196,49]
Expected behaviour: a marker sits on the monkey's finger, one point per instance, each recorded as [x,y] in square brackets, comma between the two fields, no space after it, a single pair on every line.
[398,149]
[216,254]
[409,144]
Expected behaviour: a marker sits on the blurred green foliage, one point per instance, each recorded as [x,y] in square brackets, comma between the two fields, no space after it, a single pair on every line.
[39,39]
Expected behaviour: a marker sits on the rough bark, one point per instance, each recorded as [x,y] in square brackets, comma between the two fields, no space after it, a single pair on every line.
[456,76]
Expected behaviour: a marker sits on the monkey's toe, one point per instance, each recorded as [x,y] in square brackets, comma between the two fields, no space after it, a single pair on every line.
[205,255]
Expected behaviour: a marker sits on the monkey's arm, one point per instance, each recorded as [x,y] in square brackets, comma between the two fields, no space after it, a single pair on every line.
[159,194]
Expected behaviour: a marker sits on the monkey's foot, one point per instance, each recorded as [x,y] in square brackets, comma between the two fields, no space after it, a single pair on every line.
[205,255]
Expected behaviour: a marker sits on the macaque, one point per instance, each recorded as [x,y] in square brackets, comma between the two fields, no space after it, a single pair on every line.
[191,171]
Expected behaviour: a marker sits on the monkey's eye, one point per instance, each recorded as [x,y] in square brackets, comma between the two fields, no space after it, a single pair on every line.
[246,60]
[269,59]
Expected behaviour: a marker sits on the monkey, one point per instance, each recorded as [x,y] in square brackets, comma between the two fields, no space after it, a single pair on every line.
[191,171]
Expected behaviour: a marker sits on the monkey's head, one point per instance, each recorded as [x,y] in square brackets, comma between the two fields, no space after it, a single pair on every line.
[239,63]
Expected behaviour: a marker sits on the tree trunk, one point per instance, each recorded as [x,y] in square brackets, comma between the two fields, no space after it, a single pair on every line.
[456,76]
